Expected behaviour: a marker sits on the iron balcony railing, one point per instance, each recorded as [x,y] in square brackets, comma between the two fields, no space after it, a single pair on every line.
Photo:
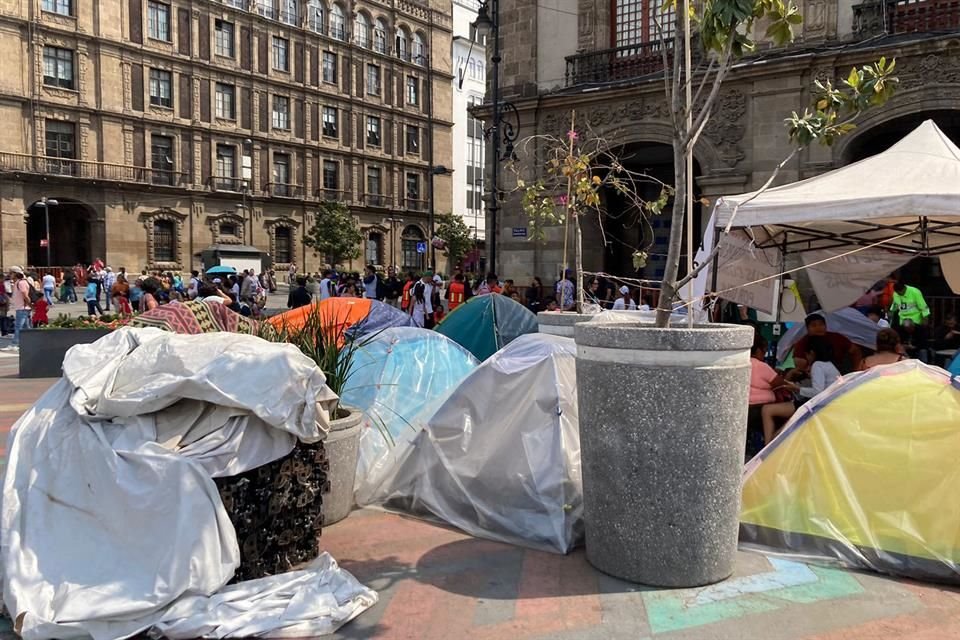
[330,195]
[226,183]
[620,63]
[919,16]
[282,190]
[89,170]
[414,204]
[375,200]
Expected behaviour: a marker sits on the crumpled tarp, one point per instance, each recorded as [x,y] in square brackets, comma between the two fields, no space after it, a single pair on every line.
[394,376]
[865,475]
[111,522]
[500,457]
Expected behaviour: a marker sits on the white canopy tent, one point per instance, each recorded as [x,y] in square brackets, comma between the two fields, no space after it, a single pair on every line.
[896,205]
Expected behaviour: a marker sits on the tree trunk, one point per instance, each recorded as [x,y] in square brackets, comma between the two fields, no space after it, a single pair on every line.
[668,289]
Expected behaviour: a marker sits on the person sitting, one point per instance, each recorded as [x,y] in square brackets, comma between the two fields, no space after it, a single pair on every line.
[764,381]
[840,345]
[888,350]
[947,336]
[625,301]
[819,360]
[876,316]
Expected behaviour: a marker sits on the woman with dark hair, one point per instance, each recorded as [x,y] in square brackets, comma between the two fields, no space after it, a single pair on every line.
[148,301]
[533,295]
[888,350]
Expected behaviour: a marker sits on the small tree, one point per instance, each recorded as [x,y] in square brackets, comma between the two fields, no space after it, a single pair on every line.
[456,238]
[335,235]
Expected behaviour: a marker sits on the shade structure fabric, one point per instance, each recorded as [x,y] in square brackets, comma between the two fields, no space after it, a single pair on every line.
[499,457]
[485,324]
[865,475]
[393,378]
[195,316]
[361,316]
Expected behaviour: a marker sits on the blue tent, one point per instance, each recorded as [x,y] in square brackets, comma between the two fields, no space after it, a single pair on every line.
[485,324]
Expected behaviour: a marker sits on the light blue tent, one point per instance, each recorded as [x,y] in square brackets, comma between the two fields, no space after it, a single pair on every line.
[393,377]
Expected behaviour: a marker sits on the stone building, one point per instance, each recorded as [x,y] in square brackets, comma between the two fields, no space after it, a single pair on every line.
[163,127]
[601,58]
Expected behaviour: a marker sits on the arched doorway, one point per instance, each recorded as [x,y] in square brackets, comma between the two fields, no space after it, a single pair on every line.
[626,228]
[70,233]
[411,259]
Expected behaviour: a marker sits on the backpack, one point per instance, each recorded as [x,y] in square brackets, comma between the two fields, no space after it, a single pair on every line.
[33,293]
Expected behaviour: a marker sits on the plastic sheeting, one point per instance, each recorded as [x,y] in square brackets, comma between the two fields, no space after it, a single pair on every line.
[111,522]
[858,328]
[865,475]
[500,457]
[393,377]
[485,324]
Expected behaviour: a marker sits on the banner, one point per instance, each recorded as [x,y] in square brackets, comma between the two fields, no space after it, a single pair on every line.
[841,280]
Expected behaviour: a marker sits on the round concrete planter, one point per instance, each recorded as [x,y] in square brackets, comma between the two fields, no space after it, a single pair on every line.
[342,446]
[663,417]
[557,323]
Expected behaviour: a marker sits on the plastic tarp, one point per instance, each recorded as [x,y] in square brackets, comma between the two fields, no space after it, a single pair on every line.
[865,475]
[858,328]
[485,324]
[395,376]
[111,522]
[360,316]
[500,457]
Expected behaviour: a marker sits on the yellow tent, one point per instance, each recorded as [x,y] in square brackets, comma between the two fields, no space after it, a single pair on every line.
[867,474]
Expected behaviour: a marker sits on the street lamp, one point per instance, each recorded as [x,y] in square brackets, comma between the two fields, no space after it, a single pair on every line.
[502,129]
[47,203]
[438,170]
[393,240]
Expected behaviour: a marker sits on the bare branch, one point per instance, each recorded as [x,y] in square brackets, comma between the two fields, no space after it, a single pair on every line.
[724,65]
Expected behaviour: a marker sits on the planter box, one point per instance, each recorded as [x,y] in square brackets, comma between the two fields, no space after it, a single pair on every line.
[42,350]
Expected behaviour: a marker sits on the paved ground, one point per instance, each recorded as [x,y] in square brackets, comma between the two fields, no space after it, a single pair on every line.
[438,584]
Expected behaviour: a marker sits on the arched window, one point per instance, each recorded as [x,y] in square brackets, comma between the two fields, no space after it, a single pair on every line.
[315,16]
[419,49]
[361,33]
[283,245]
[338,25]
[164,241]
[380,37]
[374,248]
[410,241]
[403,44]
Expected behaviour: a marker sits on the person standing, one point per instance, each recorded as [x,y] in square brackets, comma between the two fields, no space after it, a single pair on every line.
[421,307]
[392,288]
[299,297]
[407,287]
[370,282]
[625,302]
[292,274]
[436,299]
[109,279]
[22,305]
[69,286]
[908,304]
[91,296]
[327,285]
[566,293]
[456,292]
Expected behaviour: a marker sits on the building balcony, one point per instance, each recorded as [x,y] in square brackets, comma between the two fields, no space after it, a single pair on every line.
[281,190]
[893,18]
[330,195]
[612,65]
[88,170]
[375,200]
[223,183]
[413,204]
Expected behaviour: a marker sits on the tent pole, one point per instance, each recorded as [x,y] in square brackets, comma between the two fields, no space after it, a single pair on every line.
[713,269]
[783,277]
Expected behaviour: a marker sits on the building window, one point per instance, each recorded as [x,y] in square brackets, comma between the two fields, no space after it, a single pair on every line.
[361,29]
[374,248]
[403,44]
[60,143]
[330,67]
[290,14]
[283,245]
[330,122]
[224,38]
[158,21]
[281,175]
[419,49]
[373,79]
[338,25]
[413,191]
[62,7]
[281,59]
[161,159]
[412,259]
[58,67]
[164,241]
[380,37]
[413,139]
[413,90]
[315,16]
[226,166]
[281,112]
[636,23]
[228,229]
[226,101]
[373,131]
[374,187]
[331,176]
[161,88]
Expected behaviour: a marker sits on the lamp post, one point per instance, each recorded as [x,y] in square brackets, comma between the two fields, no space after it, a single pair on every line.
[502,130]
[393,240]
[438,170]
[47,202]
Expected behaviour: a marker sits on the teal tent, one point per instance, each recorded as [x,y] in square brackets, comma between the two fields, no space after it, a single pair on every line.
[485,324]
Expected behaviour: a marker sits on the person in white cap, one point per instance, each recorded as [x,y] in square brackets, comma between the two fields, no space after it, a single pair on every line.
[624,302]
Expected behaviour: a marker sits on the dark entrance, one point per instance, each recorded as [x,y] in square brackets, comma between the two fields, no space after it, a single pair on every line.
[69,234]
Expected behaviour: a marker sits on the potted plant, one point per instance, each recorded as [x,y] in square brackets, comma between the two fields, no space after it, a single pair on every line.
[663,409]
[43,349]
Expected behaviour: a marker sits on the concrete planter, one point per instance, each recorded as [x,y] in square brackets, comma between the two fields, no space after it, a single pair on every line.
[42,350]
[663,417]
[558,323]
[342,446]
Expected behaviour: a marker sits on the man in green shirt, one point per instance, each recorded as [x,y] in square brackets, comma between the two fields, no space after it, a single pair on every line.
[908,304]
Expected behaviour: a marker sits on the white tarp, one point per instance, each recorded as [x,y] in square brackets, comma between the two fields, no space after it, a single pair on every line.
[840,279]
[500,457]
[858,328]
[111,523]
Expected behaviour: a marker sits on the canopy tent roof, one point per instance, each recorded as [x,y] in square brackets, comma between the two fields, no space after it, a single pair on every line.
[907,197]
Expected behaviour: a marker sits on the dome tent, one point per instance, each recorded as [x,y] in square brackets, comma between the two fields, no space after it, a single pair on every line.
[359,315]
[392,378]
[499,458]
[485,324]
[865,475]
